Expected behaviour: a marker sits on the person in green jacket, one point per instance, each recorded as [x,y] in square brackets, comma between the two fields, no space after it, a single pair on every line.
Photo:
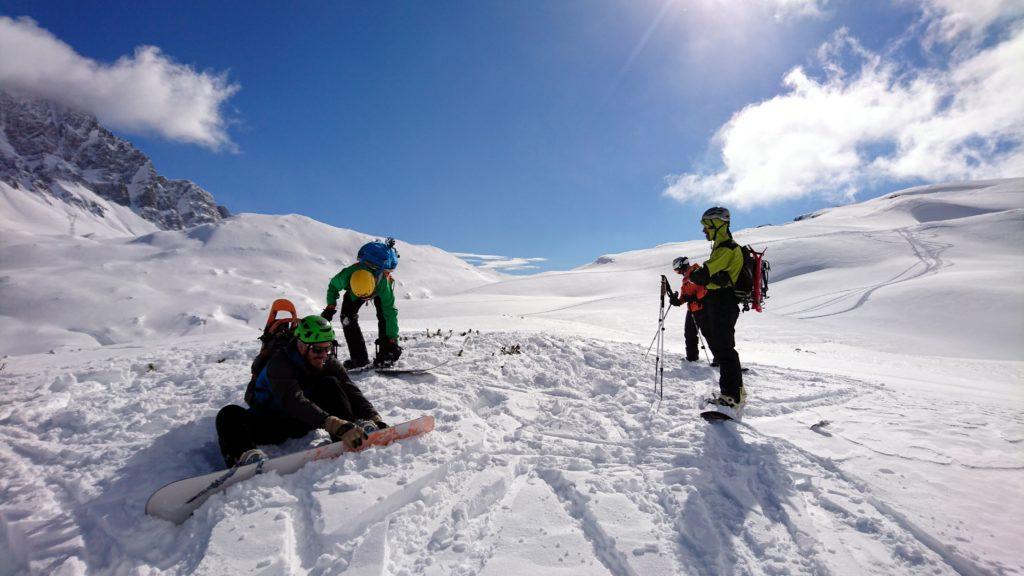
[368,279]
[719,274]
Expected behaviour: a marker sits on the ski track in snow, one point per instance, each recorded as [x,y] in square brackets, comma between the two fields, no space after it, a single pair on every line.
[927,252]
[552,461]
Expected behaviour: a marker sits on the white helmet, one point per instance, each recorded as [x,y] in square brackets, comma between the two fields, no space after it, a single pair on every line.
[681,263]
[716,213]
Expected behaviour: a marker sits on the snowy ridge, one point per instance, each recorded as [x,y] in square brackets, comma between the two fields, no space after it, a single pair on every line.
[63,290]
[887,273]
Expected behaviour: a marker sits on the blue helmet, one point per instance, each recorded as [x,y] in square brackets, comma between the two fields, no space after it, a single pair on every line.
[378,255]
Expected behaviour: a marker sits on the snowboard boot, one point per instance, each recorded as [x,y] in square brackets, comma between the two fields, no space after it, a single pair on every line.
[351,364]
[729,401]
[368,426]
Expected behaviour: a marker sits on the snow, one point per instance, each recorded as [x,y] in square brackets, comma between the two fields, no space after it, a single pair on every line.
[882,435]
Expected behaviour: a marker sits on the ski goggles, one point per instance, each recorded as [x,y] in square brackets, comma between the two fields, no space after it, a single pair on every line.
[320,349]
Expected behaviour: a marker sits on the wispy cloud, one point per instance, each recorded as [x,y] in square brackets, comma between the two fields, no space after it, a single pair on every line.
[500,263]
[146,92]
[866,118]
[953,19]
[796,8]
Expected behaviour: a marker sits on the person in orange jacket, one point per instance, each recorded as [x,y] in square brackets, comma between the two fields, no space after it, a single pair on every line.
[690,294]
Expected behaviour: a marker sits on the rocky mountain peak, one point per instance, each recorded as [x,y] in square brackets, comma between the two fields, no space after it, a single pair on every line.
[48,149]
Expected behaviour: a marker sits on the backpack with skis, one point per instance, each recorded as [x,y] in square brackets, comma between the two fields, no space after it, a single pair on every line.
[751,285]
[277,333]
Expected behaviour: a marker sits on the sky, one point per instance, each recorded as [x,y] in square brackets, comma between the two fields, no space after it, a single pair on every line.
[539,135]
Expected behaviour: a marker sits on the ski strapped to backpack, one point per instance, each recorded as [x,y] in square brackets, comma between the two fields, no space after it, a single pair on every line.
[277,333]
[751,285]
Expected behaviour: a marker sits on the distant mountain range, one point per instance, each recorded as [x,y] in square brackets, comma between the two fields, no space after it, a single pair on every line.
[52,151]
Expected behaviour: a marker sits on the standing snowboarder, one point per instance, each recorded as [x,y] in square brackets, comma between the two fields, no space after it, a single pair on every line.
[718,275]
[369,278]
[301,388]
[692,295]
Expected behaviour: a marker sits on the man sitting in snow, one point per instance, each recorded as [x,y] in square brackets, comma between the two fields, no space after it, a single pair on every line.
[302,387]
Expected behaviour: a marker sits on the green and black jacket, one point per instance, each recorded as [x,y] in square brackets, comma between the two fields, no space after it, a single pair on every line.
[384,291]
[723,267]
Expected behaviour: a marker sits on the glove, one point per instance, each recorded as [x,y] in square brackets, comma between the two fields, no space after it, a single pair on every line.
[380,423]
[328,313]
[345,431]
[673,299]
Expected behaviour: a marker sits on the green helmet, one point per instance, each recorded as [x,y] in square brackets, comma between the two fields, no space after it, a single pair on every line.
[314,329]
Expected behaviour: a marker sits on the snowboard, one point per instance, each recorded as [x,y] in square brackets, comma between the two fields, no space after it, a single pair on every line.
[397,370]
[402,370]
[178,500]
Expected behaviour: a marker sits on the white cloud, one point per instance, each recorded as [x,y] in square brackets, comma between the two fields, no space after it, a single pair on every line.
[145,92]
[797,8]
[833,135]
[950,19]
[500,263]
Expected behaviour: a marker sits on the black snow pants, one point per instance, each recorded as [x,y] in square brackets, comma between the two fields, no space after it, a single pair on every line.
[350,326]
[694,321]
[240,429]
[722,310]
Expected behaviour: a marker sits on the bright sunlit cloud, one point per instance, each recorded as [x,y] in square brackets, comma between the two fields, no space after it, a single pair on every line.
[500,263]
[868,119]
[146,92]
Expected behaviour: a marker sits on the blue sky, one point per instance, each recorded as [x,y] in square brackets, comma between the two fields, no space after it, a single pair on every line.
[560,130]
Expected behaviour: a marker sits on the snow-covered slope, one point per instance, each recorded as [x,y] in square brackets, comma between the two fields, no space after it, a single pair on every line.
[882,434]
[935,270]
[98,288]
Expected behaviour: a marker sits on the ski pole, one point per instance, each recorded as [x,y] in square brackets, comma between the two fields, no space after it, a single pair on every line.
[701,338]
[661,322]
[662,314]
[659,361]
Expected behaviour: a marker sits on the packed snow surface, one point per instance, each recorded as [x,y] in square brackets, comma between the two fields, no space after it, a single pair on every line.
[882,434]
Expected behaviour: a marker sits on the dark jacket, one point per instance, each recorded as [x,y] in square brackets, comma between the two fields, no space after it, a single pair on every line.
[282,388]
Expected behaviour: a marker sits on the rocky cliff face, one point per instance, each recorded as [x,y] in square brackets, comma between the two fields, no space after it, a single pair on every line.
[47,149]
